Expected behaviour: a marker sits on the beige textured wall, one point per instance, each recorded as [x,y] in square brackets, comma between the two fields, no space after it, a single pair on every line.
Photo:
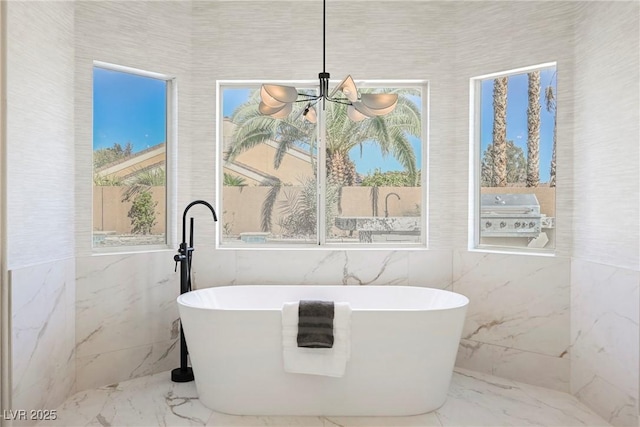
[40,202]
[606,226]
[500,36]
[151,36]
[40,140]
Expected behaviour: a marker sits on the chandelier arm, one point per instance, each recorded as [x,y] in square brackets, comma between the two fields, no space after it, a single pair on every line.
[309,97]
[343,101]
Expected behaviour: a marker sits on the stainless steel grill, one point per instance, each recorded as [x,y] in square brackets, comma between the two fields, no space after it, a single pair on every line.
[509,215]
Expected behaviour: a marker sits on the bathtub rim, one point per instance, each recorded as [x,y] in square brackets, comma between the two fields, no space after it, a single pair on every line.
[463,303]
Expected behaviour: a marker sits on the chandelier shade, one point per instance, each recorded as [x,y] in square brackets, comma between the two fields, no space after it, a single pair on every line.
[278,94]
[277,101]
[275,112]
[354,114]
[348,88]
[379,104]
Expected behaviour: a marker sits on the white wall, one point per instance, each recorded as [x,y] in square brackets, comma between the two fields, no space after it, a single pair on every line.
[40,153]
[606,222]
[40,211]
[605,276]
[125,308]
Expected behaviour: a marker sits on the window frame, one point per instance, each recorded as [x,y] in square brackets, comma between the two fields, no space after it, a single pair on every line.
[475,168]
[170,160]
[321,242]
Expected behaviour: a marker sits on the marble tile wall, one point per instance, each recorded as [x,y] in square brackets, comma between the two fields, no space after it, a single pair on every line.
[605,270]
[517,323]
[43,334]
[126,311]
[605,338]
[321,267]
[126,317]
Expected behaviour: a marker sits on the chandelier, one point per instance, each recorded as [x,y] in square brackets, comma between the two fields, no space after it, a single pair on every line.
[277,101]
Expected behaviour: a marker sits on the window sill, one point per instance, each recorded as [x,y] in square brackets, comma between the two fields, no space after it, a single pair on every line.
[131,250]
[327,247]
[514,251]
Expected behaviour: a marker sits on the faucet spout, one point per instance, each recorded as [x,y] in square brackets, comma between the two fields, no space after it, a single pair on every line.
[386,203]
[184,215]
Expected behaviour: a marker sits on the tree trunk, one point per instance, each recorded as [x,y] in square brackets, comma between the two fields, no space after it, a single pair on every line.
[533,137]
[341,170]
[552,179]
[500,132]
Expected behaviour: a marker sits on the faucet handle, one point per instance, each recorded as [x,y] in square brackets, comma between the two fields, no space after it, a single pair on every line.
[177,258]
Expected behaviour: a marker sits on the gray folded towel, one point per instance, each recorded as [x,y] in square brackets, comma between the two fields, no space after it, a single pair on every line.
[315,324]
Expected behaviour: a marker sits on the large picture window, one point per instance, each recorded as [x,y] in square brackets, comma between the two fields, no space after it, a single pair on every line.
[129,157]
[515,158]
[371,186]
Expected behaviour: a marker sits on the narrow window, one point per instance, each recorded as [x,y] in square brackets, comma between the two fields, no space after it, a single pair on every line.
[129,157]
[515,158]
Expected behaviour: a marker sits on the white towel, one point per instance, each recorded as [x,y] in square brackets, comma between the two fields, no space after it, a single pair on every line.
[331,362]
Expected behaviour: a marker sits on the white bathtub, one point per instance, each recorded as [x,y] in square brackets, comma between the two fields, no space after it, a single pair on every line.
[403,348]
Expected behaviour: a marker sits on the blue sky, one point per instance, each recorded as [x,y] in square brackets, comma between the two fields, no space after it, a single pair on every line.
[128,108]
[517,103]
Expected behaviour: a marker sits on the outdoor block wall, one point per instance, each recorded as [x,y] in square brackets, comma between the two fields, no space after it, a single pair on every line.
[111,212]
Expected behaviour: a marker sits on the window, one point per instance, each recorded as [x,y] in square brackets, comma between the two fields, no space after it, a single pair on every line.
[371,189]
[514,118]
[130,117]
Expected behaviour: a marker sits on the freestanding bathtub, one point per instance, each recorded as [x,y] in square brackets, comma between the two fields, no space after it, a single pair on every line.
[404,342]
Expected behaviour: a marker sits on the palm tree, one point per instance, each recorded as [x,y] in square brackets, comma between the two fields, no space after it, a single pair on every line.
[500,132]
[254,129]
[389,133]
[550,101]
[516,165]
[533,130]
[143,181]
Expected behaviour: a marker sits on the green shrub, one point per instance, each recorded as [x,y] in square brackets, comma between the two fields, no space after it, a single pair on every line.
[391,179]
[142,213]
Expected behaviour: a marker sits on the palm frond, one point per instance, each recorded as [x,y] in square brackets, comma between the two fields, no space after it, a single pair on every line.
[143,180]
[269,202]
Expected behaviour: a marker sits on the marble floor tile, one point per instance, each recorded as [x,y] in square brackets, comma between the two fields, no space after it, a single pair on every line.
[474,399]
